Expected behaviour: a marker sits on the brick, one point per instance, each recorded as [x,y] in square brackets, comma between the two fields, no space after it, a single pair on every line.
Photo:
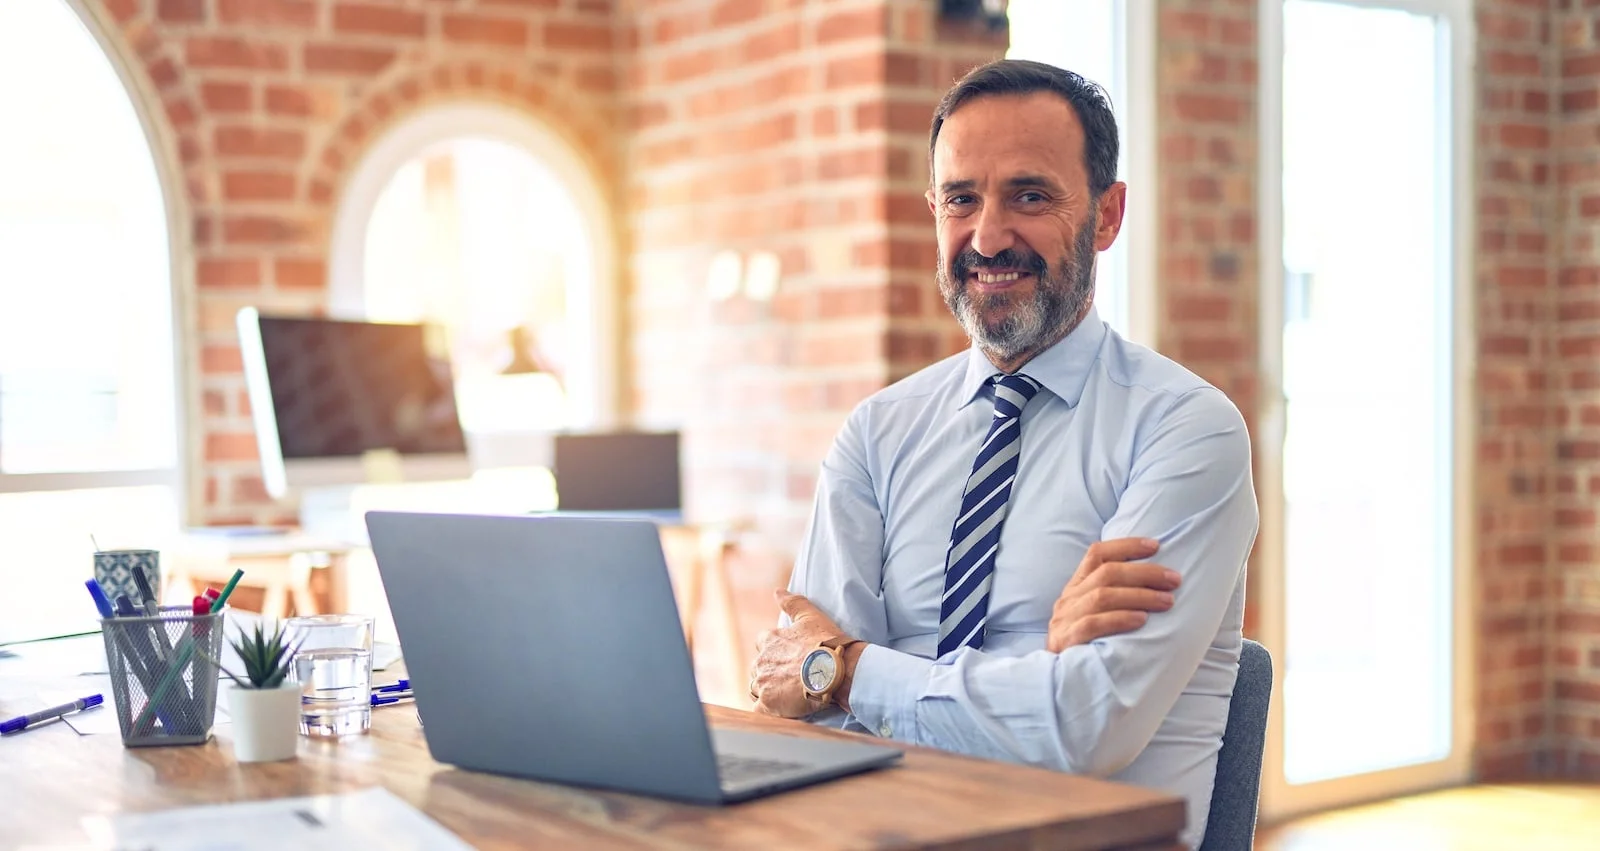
[228,273]
[483,29]
[373,19]
[344,59]
[215,403]
[288,100]
[861,69]
[299,273]
[772,44]
[301,14]
[221,360]
[1203,109]
[236,446]
[578,36]
[123,10]
[235,53]
[871,23]
[262,230]
[258,186]
[181,11]
[243,141]
[226,97]
[689,66]
[728,13]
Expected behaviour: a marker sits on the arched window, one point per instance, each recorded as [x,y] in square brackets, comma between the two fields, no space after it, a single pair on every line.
[89,439]
[484,222]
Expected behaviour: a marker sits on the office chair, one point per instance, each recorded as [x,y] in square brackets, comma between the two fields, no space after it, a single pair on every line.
[1231,825]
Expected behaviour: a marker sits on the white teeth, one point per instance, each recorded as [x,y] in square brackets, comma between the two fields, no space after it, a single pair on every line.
[995,279]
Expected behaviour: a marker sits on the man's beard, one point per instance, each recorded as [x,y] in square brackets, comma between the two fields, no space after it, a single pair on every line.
[1008,326]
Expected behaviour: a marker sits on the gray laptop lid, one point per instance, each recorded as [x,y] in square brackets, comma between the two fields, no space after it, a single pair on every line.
[523,665]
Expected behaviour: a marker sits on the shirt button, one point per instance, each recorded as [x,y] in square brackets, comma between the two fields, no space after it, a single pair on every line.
[885,730]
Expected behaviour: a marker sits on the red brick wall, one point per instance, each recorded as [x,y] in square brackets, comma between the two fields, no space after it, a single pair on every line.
[1207,262]
[268,104]
[1515,489]
[789,129]
[1573,586]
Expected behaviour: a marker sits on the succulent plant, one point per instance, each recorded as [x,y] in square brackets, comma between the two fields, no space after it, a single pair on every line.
[267,657]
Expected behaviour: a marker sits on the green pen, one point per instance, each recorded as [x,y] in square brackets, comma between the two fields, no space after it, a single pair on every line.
[184,654]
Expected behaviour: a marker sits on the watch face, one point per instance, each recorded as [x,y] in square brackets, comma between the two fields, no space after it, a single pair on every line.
[818,670]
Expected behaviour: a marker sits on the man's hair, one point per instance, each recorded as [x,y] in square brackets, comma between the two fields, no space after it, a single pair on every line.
[1024,77]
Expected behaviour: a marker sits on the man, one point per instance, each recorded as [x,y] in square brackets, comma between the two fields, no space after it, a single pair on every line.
[938,591]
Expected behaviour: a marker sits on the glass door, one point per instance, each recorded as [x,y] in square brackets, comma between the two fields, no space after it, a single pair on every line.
[1361,557]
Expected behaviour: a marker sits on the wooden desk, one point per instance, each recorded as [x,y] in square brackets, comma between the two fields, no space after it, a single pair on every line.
[53,778]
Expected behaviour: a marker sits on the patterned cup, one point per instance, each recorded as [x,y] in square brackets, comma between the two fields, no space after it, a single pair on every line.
[113,570]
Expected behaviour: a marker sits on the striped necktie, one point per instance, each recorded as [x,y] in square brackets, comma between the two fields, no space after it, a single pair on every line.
[969,566]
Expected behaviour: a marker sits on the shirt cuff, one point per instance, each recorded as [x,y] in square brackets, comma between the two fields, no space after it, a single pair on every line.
[884,692]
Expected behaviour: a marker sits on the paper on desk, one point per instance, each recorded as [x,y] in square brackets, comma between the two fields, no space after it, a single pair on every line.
[331,822]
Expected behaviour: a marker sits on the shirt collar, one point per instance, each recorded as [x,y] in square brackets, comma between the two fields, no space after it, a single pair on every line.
[1063,369]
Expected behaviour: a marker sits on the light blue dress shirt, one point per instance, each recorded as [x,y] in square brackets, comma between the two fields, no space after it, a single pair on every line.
[1122,442]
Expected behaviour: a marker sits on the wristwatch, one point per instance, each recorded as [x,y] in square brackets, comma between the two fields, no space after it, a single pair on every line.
[822,671]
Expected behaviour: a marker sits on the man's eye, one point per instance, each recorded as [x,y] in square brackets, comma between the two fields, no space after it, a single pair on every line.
[1031,198]
[958,200]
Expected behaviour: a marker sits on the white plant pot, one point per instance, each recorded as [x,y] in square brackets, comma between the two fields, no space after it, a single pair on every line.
[266,722]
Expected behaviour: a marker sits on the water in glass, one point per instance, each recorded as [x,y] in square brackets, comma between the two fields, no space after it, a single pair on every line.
[335,685]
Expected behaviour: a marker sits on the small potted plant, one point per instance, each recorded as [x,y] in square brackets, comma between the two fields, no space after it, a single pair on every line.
[265,702]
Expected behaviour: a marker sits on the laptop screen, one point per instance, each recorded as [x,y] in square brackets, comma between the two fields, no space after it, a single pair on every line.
[618,471]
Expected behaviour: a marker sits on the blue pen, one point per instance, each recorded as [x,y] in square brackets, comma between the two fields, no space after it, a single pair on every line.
[121,638]
[17,725]
[388,699]
[100,601]
[402,685]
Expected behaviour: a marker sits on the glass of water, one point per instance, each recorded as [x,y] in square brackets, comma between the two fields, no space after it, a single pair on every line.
[334,667]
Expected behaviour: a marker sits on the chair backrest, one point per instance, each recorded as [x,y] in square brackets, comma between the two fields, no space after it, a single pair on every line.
[1231,826]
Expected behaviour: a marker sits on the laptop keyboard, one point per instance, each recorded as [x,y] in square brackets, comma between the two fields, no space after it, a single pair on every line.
[735,769]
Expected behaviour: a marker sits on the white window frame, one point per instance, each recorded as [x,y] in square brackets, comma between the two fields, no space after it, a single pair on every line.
[596,398]
[1134,25]
[1280,799]
[182,476]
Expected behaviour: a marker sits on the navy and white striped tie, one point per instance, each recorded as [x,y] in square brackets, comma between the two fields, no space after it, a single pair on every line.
[969,566]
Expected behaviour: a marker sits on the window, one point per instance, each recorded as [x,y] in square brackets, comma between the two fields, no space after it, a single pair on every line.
[1107,41]
[88,404]
[485,223]
[478,236]
[1362,519]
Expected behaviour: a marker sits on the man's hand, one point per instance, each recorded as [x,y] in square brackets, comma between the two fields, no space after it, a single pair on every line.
[1109,594]
[775,676]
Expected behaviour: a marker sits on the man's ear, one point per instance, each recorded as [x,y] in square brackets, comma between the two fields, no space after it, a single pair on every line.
[933,206]
[1110,208]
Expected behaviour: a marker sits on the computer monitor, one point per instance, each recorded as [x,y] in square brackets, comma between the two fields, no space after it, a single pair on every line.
[330,397]
[624,471]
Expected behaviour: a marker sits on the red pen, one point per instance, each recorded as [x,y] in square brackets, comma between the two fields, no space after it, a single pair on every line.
[200,606]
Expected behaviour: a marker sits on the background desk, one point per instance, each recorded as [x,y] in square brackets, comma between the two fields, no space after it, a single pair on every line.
[53,778]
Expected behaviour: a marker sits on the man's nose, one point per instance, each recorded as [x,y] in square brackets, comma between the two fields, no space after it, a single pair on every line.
[992,234]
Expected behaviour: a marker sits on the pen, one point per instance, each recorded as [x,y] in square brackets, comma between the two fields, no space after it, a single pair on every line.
[17,725]
[147,596]
[389,699]
[185,653]
[402,685]
[100,601]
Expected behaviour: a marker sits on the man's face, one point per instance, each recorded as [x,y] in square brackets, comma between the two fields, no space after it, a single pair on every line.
[1017,229]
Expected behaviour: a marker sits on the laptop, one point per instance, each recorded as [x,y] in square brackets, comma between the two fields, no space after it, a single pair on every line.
[549,647]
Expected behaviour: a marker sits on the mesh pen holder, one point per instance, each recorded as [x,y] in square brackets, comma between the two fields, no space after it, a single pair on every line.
[164,673]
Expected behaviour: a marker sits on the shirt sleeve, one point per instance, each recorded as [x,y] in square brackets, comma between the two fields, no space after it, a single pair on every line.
[839,566]
[1093,708]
